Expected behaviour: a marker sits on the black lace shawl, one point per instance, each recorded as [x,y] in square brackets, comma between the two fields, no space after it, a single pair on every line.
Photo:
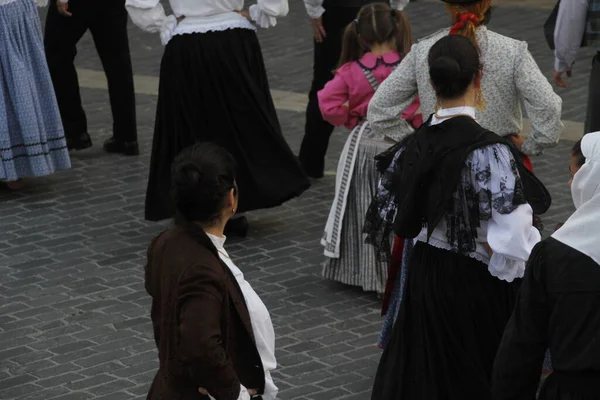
[423,181]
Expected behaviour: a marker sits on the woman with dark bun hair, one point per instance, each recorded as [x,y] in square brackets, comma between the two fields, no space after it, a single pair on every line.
[457,189]
[510,78]
[214,335]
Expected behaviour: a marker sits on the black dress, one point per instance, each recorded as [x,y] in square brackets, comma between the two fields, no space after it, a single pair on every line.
[214,87]
[558,307]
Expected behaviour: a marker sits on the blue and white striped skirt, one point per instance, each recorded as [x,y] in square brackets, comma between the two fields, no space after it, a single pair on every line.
[32,141]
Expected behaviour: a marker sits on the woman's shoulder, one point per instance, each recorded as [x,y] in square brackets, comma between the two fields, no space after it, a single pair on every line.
[346,69]
[499,151]
[428,41]
[502,47]
[505,40]
[179,246]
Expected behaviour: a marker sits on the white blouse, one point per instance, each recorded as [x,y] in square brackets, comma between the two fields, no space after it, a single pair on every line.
[511,236]
[202,16]
[315,9]
[262,326]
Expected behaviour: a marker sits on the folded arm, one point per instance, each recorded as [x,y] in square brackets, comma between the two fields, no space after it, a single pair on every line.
[148,15]
[394,96]
[333,100]
[511,238]
[265,12]
[542,104]
[510,232]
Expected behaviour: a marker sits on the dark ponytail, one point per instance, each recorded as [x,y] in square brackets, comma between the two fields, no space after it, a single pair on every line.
[202,176]
[376,23]
[352,48]
[453,65]
[404,38]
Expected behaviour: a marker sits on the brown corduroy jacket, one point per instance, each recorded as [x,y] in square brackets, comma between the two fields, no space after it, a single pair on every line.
[201,324]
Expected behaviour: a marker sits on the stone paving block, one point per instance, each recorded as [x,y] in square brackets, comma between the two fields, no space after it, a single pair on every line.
[336,393]
[19,390]
[72,247]
[45,394]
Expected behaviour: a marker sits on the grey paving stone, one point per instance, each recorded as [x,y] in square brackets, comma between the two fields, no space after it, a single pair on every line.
[72,246]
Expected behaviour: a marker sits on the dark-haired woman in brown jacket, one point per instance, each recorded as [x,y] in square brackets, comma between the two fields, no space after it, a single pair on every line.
[214,336]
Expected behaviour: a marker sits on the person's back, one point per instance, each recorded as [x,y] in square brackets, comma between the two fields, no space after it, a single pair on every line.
[503,58]
[559,301]
[345,99]
[572,282]
[511,76]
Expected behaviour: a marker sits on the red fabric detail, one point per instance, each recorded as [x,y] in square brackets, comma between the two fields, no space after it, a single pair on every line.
[527,162]
[462,21]
[393,271]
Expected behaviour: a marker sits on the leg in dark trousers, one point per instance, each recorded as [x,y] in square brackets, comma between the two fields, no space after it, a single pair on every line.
[110,36]
[60,40]
[592,123]
[326,57]
[107,22]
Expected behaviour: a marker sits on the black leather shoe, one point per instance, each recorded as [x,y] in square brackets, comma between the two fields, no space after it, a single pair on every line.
[237,227]
[126,148]
[82,142]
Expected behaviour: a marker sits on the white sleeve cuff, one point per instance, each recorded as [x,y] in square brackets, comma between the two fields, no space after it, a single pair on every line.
[244,395]
[505,268]
[61,1]
[315,12]
[147,19]
[561,66]
[261,18]
[167,29]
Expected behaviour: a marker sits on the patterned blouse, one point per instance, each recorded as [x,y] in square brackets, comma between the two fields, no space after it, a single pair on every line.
[510,76]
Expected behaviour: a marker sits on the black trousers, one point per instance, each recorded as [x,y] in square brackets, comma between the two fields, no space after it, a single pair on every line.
[107,22]
[326,57]
[592,123]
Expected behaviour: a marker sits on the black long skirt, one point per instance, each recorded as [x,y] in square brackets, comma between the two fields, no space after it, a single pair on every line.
[449,327]
[213,87]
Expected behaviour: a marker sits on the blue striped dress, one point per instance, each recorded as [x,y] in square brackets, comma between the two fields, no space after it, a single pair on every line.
[32,141]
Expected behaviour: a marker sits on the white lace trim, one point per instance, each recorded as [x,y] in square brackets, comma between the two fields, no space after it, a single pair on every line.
[169,30]
[440,244]
[509,271]
[216,27]
[5,2]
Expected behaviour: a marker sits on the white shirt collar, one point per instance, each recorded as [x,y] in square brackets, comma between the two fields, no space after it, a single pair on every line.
[219,242]
[444,112]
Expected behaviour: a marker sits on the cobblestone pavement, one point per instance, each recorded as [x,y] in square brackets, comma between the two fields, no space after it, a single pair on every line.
[73,312]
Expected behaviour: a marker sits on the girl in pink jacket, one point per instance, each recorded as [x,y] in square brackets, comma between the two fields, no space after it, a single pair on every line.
[373,45]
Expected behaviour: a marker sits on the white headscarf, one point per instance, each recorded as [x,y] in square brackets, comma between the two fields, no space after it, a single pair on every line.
[582,230]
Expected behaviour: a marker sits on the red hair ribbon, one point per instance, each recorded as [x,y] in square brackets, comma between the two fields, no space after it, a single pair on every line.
[463,18]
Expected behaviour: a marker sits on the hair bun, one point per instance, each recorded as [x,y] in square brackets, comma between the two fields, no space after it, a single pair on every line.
[443,68]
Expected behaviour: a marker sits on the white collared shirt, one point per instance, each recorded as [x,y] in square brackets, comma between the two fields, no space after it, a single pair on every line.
[202,16]
[315,9]
[262,326]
